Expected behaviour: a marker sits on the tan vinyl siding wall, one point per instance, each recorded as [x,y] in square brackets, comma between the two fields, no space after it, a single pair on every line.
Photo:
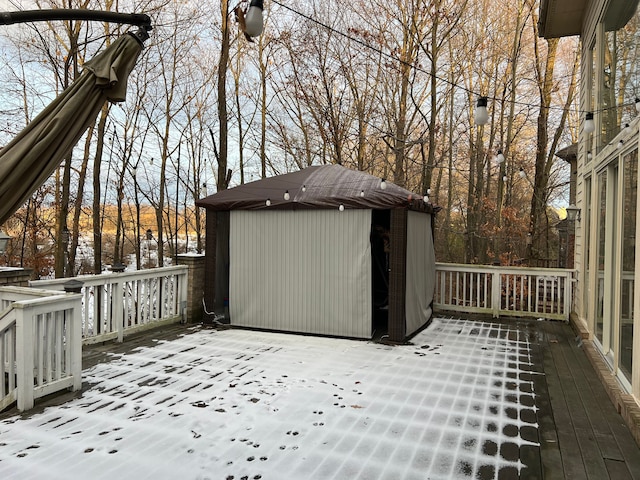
[421,265]
[583,148]
[305,271]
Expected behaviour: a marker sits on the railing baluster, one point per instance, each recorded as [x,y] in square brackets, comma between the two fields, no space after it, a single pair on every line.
[59,345]
[39,363]
[48,343]
[11,357]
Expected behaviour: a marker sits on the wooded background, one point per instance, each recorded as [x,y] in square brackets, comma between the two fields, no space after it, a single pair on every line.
[387,87]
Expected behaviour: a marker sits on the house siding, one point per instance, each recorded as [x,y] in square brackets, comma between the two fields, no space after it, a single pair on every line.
[591,288]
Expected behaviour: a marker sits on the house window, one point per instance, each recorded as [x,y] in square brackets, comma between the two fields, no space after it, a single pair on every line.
[591,89]
[630,200]
[619,64]
[587,288]
[601,254]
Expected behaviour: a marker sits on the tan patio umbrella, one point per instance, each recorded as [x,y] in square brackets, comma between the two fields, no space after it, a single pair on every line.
[30,158]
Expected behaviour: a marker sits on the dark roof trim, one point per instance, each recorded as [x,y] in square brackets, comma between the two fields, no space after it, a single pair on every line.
[561,18]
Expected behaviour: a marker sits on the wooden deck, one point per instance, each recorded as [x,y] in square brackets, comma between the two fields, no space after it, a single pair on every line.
[580,432]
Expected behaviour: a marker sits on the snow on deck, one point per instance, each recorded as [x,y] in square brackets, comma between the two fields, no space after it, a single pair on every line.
[239,404]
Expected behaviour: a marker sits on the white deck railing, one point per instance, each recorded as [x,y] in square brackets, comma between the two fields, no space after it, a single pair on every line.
[504,291]
[40,344]
[115,304]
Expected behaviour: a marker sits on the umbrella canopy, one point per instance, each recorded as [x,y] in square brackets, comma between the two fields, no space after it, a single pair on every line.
[319,187]
[30,158]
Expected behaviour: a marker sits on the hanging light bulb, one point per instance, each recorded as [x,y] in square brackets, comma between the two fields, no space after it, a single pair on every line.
[522,173]
[621,144]
[504,178]
[481,116]
[286,195]
[589,124]
[627,129]
[341,208]
[304,188]
[589,155]
[500,157]
[268,202]
[362,193]
[428,191]
[383,184]
[425,198]
[254,22]
[637,105]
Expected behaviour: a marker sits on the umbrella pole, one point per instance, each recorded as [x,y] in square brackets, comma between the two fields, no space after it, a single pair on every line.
[139,19]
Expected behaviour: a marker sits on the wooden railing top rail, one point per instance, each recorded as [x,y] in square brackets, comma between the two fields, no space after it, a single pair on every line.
[6,319]
[25,293]
[471,267]
[49,302]
[92,280]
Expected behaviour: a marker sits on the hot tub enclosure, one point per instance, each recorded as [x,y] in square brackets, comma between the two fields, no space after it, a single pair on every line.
[325,250]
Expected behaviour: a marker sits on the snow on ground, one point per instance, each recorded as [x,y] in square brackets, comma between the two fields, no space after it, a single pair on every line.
[239,404]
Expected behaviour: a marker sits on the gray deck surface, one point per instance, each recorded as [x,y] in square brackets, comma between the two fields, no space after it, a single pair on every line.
[580,434]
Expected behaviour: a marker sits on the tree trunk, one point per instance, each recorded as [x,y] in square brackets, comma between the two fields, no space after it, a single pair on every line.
[222,99]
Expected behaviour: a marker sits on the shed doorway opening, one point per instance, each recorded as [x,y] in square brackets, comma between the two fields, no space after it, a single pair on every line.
[380,249]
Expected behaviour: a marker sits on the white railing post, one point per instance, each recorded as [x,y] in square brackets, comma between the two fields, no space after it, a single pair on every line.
[74,342]
[496,290]
[183,282]
[117,308]
[568,294]
[24,358]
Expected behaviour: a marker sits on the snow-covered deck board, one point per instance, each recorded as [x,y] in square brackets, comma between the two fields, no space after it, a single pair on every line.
[460,402]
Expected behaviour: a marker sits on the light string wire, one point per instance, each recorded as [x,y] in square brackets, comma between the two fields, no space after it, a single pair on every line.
[444,80]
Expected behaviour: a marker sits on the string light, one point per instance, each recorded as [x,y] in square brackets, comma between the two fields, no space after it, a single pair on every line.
[362,193]
[304,188]
[589,155]
[589,124]
[627,129]
[445,80]
[522,173]
[428,191]
[504,178]
[341,208]
[268,202]
[254,22]
[621,144]
[383,184]
[500,157]
[425,198]
[481,116]
[286,195]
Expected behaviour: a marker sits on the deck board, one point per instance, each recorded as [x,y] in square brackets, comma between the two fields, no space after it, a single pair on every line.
[594,441]
[580,433]
[571,456]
